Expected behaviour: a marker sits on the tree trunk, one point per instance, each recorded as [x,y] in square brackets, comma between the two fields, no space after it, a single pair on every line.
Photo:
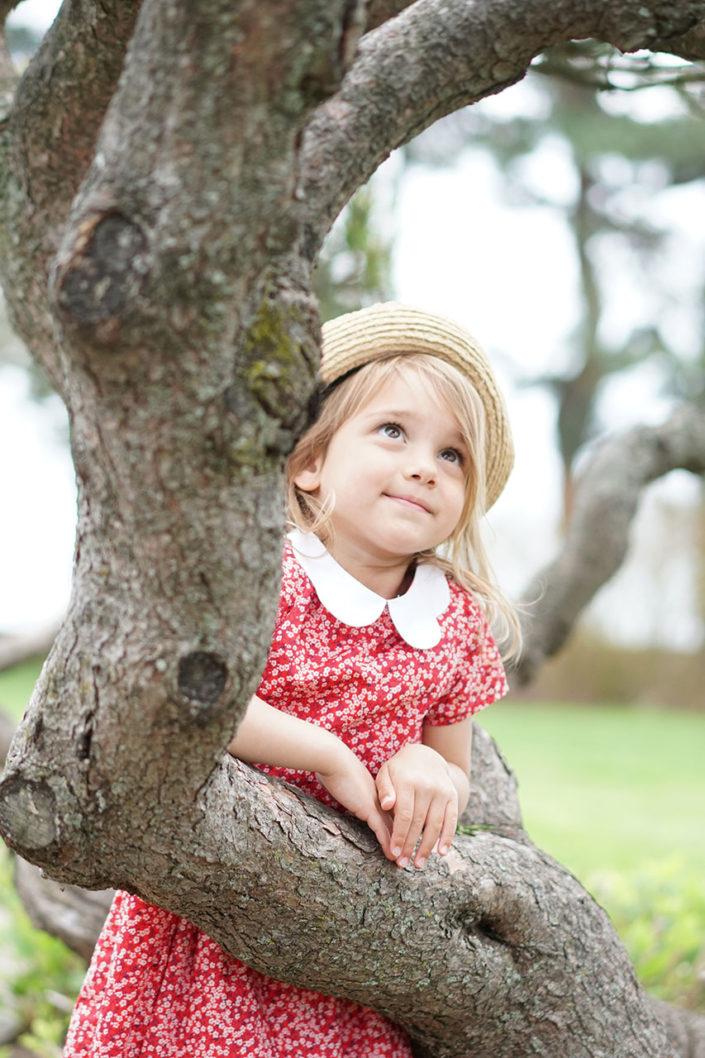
[182,334]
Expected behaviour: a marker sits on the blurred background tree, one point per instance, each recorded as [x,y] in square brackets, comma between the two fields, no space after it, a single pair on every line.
[618,160]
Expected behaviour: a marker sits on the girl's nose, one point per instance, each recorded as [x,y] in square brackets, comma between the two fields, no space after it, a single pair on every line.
[421,469]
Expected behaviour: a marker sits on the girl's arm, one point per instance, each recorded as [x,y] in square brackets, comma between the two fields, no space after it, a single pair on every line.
[426,785]
[268,736]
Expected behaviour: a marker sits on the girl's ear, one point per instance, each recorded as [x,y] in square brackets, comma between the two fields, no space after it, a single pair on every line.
[308,479]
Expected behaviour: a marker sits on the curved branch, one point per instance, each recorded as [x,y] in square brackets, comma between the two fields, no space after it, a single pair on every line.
[47,147]
[63,96]
[436,57]
[76,915]
[606,501]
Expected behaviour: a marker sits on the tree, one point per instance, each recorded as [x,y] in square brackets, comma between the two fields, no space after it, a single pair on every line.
[172,170]
[574,90]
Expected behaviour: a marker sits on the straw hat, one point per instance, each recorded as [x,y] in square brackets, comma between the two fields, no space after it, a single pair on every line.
[389,329]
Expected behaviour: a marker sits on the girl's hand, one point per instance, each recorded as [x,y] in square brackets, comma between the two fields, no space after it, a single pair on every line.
[348,780]
[416,785]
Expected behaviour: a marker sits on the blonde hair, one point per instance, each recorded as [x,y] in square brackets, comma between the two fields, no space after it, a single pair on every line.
[463,555]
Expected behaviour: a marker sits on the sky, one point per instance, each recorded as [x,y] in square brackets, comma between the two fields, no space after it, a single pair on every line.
[38,14]
[507,275]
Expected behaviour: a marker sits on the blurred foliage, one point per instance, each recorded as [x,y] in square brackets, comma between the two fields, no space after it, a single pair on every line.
[354,269]
[659,913]
[39,976]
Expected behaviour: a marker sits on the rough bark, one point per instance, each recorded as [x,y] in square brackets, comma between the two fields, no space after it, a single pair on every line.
[183,336]
[531,960]
[76,915]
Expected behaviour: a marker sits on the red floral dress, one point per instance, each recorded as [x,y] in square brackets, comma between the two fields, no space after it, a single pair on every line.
[157,986]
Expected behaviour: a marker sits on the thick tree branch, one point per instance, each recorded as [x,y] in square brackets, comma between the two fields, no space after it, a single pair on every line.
[47,146]
[436,57]
[535,954]
[606,501]
[76,915]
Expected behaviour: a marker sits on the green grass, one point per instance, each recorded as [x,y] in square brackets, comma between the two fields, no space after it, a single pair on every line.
[607,787]
[617,795]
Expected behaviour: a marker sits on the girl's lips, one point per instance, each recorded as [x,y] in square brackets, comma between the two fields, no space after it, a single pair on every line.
[409,501]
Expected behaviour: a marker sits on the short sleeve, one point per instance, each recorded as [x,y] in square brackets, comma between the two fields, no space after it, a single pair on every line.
[480,678]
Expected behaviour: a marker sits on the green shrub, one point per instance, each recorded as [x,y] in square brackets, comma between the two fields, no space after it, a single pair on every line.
[39,974]
[659,913]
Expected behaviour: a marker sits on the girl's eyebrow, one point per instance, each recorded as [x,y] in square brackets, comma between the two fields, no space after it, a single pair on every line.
[390,413]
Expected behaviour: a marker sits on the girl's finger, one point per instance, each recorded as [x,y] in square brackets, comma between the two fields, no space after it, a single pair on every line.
[433,828]
[403,822]
[450,823]
[385,789]
[415,826]
[378,825]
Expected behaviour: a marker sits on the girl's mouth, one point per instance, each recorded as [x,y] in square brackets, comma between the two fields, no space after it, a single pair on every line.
[409,501]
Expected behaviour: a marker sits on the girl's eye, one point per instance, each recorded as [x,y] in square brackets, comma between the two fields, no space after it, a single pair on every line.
[452,455]
[392,430]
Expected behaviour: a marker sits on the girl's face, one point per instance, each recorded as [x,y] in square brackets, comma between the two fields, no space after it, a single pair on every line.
[397,470]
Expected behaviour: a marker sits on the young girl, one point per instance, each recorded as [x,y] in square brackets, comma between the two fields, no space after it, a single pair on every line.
[381,654]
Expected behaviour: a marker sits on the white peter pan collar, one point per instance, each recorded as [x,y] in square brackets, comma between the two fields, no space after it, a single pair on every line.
[414,614]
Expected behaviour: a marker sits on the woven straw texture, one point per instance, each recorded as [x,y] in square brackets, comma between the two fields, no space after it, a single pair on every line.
[391,329]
